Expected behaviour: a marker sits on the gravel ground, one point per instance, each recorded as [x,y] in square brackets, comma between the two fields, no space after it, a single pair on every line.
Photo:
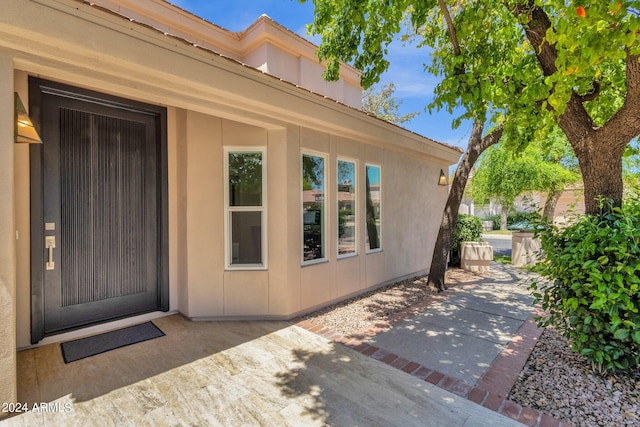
[555,380]
[561,383]
[354,316]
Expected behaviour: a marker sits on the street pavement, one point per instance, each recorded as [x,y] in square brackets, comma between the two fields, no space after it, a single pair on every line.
[501,243]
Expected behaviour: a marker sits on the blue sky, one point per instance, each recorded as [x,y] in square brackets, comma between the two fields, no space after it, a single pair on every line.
[414,86]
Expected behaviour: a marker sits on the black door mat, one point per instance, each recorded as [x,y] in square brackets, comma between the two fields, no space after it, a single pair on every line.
[96,344]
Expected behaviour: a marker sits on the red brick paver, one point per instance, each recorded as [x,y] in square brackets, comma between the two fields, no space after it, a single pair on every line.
[505,369]
[447,383]
[493,402]
[529,417]
[462,389]
[400,363]
[411,367]
[477,396]
[435,377]
[548,421]
[370,350]
[380,354]
[511,409]
[422,373]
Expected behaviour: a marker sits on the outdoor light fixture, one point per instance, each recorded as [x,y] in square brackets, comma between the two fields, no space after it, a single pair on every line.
[443,178]
[25,132]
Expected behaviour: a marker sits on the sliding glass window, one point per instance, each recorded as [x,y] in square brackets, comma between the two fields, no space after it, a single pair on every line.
[245,210]
[373,190]
[346,206]
[313,208]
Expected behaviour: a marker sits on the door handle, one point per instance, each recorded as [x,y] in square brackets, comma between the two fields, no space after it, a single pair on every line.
[50,243]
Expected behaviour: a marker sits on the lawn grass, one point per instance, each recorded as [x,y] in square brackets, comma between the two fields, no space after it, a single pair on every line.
[502,259]
[505,232]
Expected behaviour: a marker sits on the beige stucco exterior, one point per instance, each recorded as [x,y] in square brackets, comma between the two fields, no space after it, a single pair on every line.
[8,392]
[214,103]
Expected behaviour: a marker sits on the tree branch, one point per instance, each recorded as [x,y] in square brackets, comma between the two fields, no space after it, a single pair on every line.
[536,32]
[624,125]
[575,121]
[593,94]
[450,27]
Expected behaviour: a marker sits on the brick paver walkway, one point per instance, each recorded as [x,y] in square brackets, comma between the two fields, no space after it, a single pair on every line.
[493,387]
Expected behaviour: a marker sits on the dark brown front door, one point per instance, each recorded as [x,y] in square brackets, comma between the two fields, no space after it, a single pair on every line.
[99,234]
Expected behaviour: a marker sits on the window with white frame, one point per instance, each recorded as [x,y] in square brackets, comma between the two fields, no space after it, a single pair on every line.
[346,207]
[373,190]
[313,208]
[245,210]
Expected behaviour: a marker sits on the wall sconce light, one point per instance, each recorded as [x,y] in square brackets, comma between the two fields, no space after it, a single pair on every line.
[25,132]
[443,178]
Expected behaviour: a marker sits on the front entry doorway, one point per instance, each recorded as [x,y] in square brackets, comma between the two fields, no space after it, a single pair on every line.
[98,208]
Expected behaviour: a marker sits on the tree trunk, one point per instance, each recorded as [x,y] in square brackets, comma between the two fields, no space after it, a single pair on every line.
[504,210]
[477,144]
[372,229]
[550,204]
[602,176]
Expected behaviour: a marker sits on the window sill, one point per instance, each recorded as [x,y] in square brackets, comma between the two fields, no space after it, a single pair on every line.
[246,268]
[314,262]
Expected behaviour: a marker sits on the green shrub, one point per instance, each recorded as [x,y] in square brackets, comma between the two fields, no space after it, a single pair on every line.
[512,218]
[522,216]
[468,229]
[592,295]
[496,221]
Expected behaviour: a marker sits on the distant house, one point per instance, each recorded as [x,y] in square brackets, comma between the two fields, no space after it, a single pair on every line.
[571,202]
[186,168]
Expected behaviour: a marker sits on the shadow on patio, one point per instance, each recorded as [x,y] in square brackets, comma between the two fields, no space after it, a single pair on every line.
[233,373]
[43,376]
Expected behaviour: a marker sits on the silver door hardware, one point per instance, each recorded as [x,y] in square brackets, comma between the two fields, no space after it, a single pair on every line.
[50,243]
[49,226]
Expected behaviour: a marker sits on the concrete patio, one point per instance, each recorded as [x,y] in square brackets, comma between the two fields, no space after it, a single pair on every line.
[234,373]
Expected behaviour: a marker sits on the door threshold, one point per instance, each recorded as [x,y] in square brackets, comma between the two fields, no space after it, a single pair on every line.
[98,329]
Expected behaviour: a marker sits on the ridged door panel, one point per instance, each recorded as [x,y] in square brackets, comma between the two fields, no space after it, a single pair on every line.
[102,235]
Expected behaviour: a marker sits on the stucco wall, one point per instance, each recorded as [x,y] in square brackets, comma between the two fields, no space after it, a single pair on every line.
[23,230]
[311,78]
[8,388]
[204,226]
[212,103]
[411,211]
[199,285]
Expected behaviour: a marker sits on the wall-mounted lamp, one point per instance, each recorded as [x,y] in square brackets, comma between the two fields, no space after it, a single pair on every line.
[443,178]
[25,132]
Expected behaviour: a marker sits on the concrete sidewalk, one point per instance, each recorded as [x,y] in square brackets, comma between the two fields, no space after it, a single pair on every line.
[472,340]
[462,335]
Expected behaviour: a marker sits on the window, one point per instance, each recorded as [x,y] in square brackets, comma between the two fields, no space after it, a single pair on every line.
[346,208]
[313,208]
[373,208]
[245,198]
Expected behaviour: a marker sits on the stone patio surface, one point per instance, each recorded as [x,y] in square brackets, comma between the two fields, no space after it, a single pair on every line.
[234,374]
